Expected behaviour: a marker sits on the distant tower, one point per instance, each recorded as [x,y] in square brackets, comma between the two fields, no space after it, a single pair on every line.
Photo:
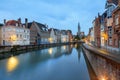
[78,33]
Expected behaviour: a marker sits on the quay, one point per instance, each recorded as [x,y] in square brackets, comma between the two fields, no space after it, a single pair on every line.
[115,57]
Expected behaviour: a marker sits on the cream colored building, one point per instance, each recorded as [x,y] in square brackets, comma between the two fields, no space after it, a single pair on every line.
[12,33]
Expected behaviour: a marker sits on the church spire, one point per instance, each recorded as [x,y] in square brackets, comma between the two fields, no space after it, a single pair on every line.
[78,29]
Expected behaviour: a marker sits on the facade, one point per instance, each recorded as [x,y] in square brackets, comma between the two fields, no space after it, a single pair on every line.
[58,35]
[116,28]
[110,6]
[106,27]
[14,33]
[39,33]
[91,34]
[97,31]
[53,37]
[70,37]
[103,28]
[64,36]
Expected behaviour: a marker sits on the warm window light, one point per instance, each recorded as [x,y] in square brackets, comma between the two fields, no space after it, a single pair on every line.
[13,37]
[12,63]
[50,40]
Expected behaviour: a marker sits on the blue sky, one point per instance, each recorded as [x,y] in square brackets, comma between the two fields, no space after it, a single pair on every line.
[60,14]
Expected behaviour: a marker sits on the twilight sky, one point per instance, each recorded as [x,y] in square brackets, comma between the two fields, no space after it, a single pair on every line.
[60,14]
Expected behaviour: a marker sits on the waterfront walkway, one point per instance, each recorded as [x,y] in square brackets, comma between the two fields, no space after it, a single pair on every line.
[110,55]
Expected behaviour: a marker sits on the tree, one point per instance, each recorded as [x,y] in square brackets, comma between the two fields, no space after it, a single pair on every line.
[77,37]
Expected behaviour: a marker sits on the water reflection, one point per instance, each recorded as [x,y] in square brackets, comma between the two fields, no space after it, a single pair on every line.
[104,69]
[78,48]
[12,64]
[51,53]
[57,63]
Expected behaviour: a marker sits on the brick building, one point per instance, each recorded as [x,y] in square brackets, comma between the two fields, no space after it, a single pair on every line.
[116,27]
[97,31]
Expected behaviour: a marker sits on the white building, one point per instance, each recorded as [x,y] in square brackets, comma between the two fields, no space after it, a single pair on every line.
[53,37]
[13,33]
[64,36]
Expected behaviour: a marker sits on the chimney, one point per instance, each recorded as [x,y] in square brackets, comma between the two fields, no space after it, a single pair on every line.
[26,22]
[4,21]
[19,22]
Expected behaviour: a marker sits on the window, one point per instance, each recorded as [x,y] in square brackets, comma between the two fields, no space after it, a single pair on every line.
[115,42]
[20,35]
[110,41]
[17,36]
[116,19]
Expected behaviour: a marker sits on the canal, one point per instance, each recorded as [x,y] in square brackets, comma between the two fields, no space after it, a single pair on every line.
[68,62]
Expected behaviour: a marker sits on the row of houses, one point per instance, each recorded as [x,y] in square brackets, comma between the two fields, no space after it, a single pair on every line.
[105,30]
[13,32]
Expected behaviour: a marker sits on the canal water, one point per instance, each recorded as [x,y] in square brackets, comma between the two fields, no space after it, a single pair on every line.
[68,62]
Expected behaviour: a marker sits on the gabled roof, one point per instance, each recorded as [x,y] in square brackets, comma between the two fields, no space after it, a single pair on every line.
[63,32]
[69,31]
[42,26]
[56,31]
[11,22]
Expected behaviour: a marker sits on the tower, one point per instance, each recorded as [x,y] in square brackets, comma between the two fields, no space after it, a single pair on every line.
[78,33]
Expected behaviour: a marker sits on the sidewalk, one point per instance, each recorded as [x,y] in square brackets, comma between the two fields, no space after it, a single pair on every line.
[110,55]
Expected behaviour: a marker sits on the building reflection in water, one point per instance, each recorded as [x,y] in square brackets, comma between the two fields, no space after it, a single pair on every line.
[12,64]
[50,53]
[59,51]
[104,69]
[78,48]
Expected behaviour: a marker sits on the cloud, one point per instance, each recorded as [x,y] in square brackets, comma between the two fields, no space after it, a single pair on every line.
[61,14]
